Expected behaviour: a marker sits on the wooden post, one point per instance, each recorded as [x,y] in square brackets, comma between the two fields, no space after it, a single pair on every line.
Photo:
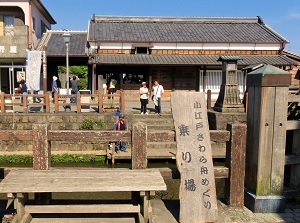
[24,102]
[47,101]
[122,100]
[41,156]
[198,201]
[100,84]
[2,101]
[295,169]
[19,205]
[138,154]
[56,108]
[41,150]
[208,99]
[100,102]
[235,161]
[266,135]
[78,102]
[139,146]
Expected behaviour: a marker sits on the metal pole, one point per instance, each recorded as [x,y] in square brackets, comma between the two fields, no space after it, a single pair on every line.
[67,65]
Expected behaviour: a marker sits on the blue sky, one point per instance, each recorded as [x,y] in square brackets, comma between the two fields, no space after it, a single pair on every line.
[282,16]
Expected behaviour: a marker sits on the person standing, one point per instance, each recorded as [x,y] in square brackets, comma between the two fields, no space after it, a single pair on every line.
[144,92]
[54,87]
[120,125]
[74,88]
[158,91]
[23,89]
[112,87]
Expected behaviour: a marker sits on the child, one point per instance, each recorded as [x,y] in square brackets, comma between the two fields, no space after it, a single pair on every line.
[120,125]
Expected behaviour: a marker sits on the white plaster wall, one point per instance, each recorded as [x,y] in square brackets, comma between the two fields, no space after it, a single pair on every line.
[38,18]
[193,46]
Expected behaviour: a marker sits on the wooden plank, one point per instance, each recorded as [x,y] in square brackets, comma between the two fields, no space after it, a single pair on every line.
[139,146]
[82,209]
[39,181]
[295,169]
[235,161]
[265,149]
[279,140]
[292,159]
[219,135]
[84,136]
[293,125]
[41,148]
[252,133]
[198,201]
[21,135]
[294,98]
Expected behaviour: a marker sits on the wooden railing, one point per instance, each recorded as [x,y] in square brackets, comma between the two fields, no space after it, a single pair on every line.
[234,136]
[49,104]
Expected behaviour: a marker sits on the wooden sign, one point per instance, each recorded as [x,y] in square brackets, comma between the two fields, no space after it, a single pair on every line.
[198,201]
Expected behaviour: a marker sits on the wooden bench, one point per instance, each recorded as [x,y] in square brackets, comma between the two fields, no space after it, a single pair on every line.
[19,183]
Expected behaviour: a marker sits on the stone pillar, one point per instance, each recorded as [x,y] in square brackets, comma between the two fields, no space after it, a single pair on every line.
[229,96]
[266,136]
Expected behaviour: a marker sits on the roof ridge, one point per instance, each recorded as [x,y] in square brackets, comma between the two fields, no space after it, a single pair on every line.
[98,18]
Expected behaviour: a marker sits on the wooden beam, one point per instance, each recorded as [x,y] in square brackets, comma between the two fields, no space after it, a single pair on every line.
[82,209]
[219,135]
[87,136]
[21,135]
[293,125]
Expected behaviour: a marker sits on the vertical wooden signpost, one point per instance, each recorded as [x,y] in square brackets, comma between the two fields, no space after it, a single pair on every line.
[198,201]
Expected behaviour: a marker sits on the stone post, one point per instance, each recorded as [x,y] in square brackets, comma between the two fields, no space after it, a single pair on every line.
[229,96]
[266,136]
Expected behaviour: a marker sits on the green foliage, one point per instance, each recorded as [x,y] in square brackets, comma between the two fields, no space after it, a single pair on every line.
[64,158]
[100,123]
[82,84]
[80,71]
[61,69]
[16,159]
[76,158]
[87,124]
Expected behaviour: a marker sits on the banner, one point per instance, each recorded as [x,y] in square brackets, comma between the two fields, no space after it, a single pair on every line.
[33,70]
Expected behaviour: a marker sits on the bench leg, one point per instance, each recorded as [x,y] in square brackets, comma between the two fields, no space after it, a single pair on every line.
[27,218]
[19,205]
[145,196]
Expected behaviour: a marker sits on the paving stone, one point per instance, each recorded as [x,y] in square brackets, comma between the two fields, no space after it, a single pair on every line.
[290,220]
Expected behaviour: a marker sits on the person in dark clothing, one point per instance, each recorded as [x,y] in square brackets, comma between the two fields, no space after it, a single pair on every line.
[74,87]
[120,125]
[23,89]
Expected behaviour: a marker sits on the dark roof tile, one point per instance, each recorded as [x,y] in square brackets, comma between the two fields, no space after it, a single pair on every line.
[162,29]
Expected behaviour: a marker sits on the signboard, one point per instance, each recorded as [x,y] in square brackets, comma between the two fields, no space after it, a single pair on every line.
[198,201]
[20,76]
[33,70]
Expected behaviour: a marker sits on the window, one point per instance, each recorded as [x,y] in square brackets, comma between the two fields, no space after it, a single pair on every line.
[33,23]
[8,25]
[9,20]
[142,50]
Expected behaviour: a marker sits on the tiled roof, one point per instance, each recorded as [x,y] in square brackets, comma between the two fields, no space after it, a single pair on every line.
[55,45]
[182,29]
[192,60]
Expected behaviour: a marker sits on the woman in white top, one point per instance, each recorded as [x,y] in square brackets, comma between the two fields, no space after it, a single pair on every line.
[144,92]
[158,91]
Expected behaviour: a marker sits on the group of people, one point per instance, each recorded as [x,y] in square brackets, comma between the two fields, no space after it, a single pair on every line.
[73,84]
[157,92]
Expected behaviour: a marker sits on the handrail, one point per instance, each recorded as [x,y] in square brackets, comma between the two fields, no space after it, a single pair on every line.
[98,100]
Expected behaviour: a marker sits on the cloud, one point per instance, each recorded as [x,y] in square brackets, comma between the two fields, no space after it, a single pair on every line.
[294,15]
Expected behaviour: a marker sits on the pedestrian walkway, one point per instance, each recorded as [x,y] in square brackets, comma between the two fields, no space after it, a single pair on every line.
[168,211]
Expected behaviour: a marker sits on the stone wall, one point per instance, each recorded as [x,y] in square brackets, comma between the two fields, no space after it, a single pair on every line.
[59,121]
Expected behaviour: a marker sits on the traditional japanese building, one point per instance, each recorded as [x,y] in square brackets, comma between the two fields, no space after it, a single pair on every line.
[181,52]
